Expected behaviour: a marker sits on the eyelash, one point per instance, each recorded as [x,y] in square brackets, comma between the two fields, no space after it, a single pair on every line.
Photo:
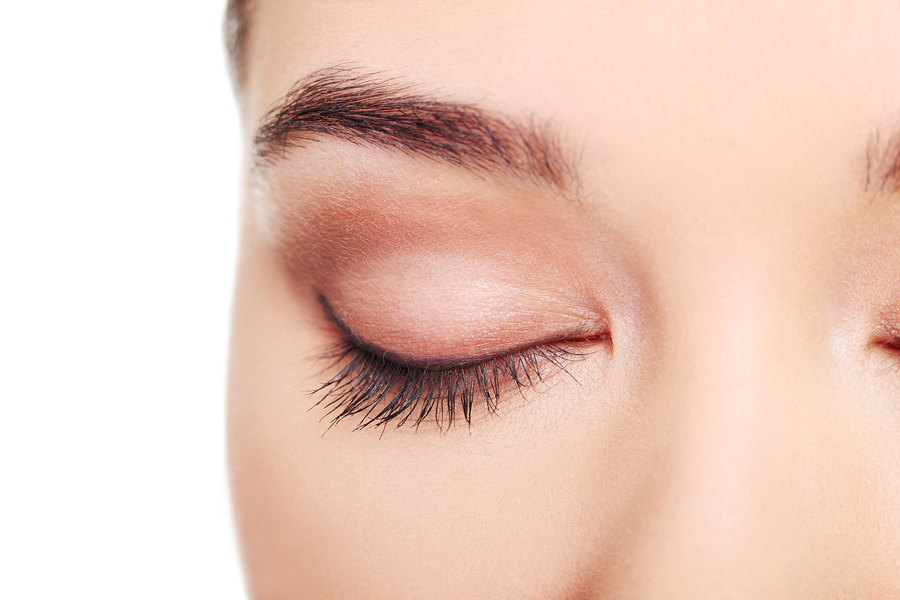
[383,390]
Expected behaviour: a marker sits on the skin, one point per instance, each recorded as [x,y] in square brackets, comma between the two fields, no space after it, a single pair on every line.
[738,433]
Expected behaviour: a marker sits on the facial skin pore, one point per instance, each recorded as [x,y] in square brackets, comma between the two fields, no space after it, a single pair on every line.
[677,223]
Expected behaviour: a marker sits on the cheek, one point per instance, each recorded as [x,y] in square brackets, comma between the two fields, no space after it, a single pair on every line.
[496,511]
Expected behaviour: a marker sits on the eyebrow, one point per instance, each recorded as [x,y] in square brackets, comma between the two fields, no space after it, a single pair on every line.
[368,109]
[883,163]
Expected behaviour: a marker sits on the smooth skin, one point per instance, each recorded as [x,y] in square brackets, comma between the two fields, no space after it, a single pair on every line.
[738,436]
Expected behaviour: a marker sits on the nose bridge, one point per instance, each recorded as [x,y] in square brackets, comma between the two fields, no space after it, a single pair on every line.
[732,386]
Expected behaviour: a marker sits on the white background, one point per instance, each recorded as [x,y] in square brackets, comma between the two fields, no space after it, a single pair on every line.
[118,202]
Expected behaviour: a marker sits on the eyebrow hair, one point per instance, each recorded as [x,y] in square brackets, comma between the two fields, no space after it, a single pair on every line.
[367,109]
[883,163]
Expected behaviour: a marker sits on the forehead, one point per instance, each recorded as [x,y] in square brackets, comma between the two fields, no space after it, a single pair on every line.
[650,63]
[689,93]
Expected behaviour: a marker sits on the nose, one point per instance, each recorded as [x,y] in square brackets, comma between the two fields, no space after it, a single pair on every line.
[750,477]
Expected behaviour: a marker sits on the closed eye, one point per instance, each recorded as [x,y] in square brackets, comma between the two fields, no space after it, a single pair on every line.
[379,387]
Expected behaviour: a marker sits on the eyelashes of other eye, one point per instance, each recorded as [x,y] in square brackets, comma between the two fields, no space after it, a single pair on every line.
[380,388]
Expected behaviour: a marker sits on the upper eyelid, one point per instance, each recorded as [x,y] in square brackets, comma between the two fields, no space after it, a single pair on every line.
[443,364]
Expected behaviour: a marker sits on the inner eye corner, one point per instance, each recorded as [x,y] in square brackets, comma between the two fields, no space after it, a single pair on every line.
[886,336]
[598,335]
[887,345]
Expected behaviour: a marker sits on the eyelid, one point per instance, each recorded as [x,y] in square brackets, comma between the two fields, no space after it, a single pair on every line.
[444,363]
[887,337]
[446,322]
[385,387]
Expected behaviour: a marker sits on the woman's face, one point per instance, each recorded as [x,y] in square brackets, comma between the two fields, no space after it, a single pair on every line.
[611,293]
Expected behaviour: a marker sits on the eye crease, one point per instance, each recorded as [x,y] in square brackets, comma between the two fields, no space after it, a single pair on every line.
[381,387]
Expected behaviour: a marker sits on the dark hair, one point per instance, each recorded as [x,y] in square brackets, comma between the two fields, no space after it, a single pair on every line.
[236,26]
